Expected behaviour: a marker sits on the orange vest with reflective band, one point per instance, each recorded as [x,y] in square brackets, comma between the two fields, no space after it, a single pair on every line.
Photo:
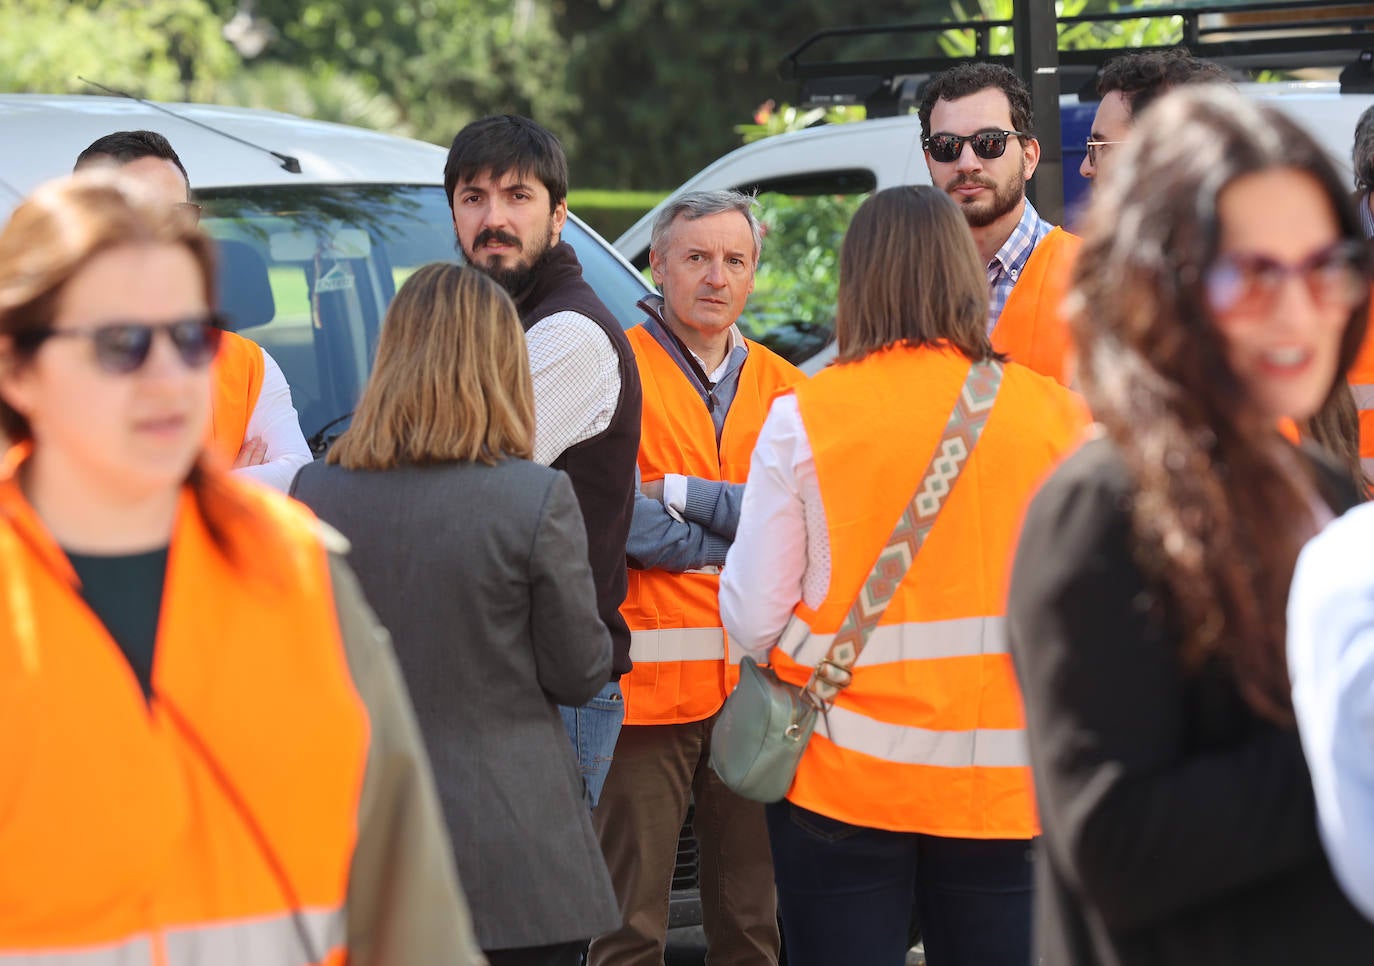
[929,737]
[1032,329]
[238,370]
[676,641]
[1361,378]
[146,832]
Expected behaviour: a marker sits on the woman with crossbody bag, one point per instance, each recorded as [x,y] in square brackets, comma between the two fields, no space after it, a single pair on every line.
[914,786]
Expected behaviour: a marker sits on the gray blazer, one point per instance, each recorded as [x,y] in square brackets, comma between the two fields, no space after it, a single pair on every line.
[480,574]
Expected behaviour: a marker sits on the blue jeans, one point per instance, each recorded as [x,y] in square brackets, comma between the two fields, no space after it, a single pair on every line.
[846,892]
[593,729]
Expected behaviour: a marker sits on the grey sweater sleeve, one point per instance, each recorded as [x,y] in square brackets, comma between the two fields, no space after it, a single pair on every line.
[659,542]
[405,906]
[714,504]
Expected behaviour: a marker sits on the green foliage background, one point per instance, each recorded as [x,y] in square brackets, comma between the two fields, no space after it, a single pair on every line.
[642,92]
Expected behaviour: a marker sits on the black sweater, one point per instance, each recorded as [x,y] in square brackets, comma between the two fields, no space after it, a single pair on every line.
[1179,827]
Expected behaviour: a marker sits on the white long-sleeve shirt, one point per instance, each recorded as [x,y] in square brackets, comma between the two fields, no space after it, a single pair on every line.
[576,375]
[781,553]
[1331,664]
[274,419]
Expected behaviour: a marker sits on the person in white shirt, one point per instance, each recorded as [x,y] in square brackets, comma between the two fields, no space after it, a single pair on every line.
[507,182]
[273,448]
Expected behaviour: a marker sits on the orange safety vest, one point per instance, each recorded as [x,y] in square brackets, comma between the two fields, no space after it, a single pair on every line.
[1361,377]
[1032,329]
[237,381]
[189,827]
[676,640]
[929,737]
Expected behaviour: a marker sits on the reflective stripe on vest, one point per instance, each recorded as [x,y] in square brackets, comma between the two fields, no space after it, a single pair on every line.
[890,643]
[930,736]
[662,644]
[271,941]
[683,664]
[905,745]
[237,383]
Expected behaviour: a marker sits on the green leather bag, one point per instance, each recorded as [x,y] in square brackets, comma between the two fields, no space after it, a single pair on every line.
[760,734]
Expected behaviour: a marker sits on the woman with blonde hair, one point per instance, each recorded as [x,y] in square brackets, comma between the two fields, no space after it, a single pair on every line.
[476,560]
[1222,289]
[207,745]
[883,502]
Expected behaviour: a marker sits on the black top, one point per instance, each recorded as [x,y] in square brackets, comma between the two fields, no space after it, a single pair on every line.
[125,592]
[1179,827]
[602,468]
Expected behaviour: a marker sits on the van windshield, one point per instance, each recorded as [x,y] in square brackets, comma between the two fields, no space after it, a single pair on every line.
[307,272]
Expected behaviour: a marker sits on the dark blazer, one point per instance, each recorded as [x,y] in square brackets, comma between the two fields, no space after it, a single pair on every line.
[480,574]
[1179,827]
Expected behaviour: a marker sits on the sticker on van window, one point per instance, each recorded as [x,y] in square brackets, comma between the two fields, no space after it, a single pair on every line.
[337,279]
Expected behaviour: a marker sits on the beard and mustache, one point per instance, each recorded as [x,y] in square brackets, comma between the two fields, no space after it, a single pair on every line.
[1005,197]
[514,273]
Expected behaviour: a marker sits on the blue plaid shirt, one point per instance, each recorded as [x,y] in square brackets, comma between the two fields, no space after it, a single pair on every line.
[1366,216]
[1005,267]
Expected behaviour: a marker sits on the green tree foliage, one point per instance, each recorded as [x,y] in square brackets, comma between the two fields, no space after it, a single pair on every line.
[662,82]
[441,63]
[163,49]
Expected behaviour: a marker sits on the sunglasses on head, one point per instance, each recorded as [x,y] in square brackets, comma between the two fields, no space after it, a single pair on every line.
[123,347]
[988,145]
[1338,275]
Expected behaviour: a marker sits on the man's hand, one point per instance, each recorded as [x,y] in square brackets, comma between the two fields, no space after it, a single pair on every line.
[653,491]
[254,453]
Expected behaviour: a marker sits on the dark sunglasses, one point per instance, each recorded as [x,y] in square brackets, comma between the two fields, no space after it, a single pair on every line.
[1338,275]
[988,145]
[123,347]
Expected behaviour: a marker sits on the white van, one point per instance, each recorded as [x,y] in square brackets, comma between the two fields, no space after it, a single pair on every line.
[318,224]
[809,183]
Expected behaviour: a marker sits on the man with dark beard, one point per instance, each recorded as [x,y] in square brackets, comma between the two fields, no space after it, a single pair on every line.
[980,145]
[507,184]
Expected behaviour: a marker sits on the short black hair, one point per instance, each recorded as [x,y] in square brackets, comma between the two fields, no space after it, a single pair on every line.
[966,79]
[507,142]
[1143,78]
[127,146]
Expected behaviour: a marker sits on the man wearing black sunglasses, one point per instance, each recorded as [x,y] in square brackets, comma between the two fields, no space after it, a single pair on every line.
[980,146]
[255,425]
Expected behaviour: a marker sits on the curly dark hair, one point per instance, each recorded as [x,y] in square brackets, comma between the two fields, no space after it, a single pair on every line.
[966,79]
[1362,154]
[1143,78]
[1155,372]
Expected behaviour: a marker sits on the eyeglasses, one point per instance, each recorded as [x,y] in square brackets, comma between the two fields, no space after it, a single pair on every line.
[123,347]
[1336,276]
[1092,147]
[988,145]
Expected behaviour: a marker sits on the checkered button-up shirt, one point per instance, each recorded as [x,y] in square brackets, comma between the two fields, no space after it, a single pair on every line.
[1005,267]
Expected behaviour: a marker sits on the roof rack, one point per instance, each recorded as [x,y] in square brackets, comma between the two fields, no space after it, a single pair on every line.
[1311,33]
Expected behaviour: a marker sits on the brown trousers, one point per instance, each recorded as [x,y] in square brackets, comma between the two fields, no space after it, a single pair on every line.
[642,808]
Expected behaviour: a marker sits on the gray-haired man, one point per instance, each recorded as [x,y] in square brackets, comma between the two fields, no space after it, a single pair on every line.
[706,393]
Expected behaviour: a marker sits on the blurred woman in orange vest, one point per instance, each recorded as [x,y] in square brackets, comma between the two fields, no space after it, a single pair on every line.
[914,787]
[1222,287]
[208,750]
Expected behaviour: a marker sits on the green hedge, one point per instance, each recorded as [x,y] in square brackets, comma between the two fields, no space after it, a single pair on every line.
[612,212]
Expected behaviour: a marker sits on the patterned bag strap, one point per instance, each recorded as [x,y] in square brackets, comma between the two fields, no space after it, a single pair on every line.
[965,426]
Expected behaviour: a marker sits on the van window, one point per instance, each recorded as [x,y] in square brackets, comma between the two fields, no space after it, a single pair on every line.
[792,309]
[308,271]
